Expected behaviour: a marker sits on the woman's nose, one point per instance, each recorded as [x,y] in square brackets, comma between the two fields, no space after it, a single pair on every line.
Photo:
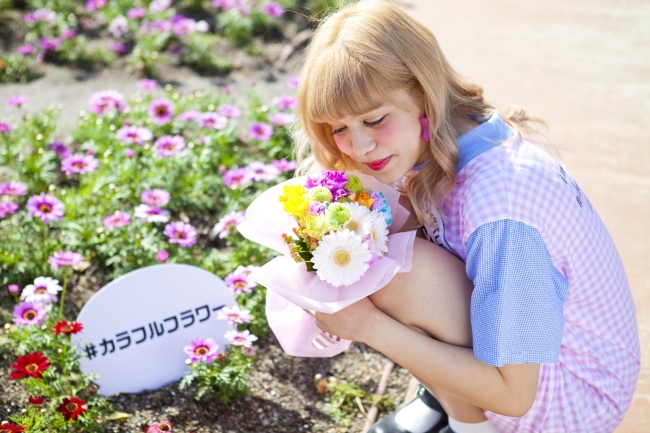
[362,143]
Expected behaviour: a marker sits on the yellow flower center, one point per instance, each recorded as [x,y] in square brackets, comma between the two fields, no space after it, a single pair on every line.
[29,314]
[240,284]
[31,368]
[45,208]
[40,290]
[341,258]
[353,226]
[164,427]
[71,407]
[201,350]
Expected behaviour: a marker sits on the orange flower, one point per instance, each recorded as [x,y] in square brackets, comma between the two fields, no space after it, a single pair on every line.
[364,199]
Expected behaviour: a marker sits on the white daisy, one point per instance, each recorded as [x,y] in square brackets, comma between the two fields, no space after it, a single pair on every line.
[43,290]
[376,227]
[358,215]
[340,258]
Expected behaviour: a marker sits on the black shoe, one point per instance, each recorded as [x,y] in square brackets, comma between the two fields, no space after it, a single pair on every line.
[388,425]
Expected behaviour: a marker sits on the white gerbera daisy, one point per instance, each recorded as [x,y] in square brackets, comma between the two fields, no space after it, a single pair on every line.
[357,215]
[43,290]
[376,227]
[340,258]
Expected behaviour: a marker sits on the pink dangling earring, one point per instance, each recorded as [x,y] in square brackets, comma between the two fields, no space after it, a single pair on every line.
[425,128]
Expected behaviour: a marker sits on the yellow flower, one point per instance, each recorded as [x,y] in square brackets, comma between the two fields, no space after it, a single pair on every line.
[364,199]
[294,200]
[317,226]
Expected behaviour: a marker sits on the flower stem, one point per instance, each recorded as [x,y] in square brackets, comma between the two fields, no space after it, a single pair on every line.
[65,285]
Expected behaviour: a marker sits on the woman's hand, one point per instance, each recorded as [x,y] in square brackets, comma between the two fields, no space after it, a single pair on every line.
[351,323]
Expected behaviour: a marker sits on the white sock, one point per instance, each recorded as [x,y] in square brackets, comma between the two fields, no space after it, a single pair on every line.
[417,417]
[464,427]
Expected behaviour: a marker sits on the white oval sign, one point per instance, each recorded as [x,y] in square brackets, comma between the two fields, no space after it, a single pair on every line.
[135,327]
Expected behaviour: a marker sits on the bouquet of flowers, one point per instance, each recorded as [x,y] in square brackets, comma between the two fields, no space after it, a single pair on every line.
[338,237]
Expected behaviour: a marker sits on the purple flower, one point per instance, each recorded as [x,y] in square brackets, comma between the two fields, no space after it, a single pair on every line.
[136,14]
[262,172]
[273,9]
[95,5]
[286,102]
[5,128]
[147,84]
[202,349]
[160,25]
[118,47]
[151,214]
[44,15]
[243,338]
[13,188]
[118,219]
[180,233]
[155,197]
[157,6]
[332,180]
[283,165]
[49,43]
[224,4]
[29,313]
[228,223]
[44,290]
[168,145]
[231,111]
[17,101]
[7,208]
[315,208]
[106,100]
[212,120]
[64,259]
[183,26]
[133,134]
[239,281]
[25,50]
[234,315]
[68,34]
[282,119]
[162,111]
[237,177]
[260,131]
[60,149]
[13,288]
[46,207]
[130,153]
[162,256]
[293,81]
[188,116]
[79,163]
[119,26]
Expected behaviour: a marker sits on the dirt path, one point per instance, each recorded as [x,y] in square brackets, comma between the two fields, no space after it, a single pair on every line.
[582,66]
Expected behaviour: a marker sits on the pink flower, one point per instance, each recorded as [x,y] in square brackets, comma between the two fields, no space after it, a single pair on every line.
[238,177]
[17,101]
[283,165]
[183,26]
[162,111]
[7,208]
[130,153]
[273,9]
[5,128]
[118,47]
[212,120]
[60,149]
[29,313]
[105,101]
[95,5]
[282,119]
[202,349]
[118,219]
[157,6]
[228,223]
[162,256]
[46,207]
[13,288]
[25,50]
[238,281]
[64,259]
[133,134]
[49,43]
[44,291]
[160,427]
[44,15]
[293,81]
[262,172]
[119,26]
[136,14]
[286,102]
[151,214]
[79,163]
[231,111]
[180,233]
[224,4]
[155,197]
[147,84]
[188,116]
[68,34]
[168,145]
[13,188]
[234,315]
[243,338]
[260,131]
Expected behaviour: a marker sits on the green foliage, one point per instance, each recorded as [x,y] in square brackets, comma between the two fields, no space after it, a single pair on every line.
[16,69]
[224,377]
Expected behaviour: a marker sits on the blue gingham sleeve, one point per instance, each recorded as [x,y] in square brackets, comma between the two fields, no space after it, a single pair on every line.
[518,297]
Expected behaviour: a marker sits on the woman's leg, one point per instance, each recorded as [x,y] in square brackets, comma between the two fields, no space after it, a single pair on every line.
[434,299]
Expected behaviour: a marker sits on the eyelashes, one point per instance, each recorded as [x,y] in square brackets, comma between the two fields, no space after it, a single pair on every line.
[368,124]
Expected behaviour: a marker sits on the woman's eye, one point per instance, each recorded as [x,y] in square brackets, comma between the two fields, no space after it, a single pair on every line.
[336,131]
[375,123]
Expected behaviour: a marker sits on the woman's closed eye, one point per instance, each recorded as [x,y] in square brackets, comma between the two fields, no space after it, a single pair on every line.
[368,124]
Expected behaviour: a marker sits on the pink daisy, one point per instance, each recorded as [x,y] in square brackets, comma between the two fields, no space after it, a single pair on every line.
[46,207]
[17,101]
[25,49]
[133,134]
[282,119]
[238,177]
[234,315]
[155,197]
[13,188]
[260,131]
[293,81]
[231,111]
[168,145]
[29,313]
[7,208]
[180,233]
[136,14]
[64,259]
[212,120]
[118,219]
[286,102]
[161,110]
[283,165]
[151,214]
[202,349]
[44,291]
[262,172]
[228,223]
[273,9]
[59,149]
[240,338]
[106,100]
[79,163]
[238,281]
[188,116]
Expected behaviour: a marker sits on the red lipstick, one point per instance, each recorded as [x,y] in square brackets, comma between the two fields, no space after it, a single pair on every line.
[378,164]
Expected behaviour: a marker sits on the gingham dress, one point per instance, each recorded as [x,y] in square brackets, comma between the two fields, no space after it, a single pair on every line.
[549,285]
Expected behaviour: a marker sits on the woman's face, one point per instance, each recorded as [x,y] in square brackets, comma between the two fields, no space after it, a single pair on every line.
[387,140]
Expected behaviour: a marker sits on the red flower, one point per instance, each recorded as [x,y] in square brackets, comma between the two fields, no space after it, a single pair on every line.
[72,408]
[11,428]
[162,426]
[67,328]
[36,399]
[30,365]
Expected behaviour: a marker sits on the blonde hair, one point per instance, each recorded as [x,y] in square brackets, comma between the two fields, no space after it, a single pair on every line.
[356,57]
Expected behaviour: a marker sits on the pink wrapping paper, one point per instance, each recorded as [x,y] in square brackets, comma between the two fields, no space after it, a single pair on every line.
[291,288]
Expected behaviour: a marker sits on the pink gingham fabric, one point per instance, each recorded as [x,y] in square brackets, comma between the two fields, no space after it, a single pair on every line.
[590,386]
